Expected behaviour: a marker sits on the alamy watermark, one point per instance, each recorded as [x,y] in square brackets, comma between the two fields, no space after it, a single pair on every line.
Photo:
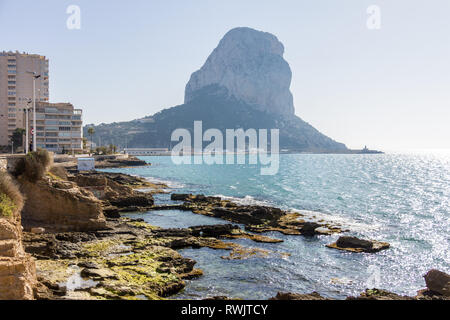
[240,146]
[73,22]
[374,19]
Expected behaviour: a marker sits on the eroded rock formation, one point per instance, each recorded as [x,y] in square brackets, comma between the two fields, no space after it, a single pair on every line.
[17,268]
[60,205]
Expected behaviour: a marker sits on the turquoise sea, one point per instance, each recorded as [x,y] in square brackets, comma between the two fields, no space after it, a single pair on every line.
[403,199]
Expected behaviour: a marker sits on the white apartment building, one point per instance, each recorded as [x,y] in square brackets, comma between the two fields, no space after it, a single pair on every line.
[16,89]
[58,127]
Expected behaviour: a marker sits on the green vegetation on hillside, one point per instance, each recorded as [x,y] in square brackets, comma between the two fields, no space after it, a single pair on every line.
[10,197]
[217,110]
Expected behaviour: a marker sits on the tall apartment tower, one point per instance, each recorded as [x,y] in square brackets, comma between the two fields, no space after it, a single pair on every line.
[16,89]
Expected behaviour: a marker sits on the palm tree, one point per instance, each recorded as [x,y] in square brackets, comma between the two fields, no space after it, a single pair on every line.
[91,132]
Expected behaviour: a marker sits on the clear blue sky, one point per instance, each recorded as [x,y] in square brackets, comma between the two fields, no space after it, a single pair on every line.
[387,88]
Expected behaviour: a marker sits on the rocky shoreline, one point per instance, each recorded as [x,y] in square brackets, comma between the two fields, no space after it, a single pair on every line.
[85,249]
[131,259]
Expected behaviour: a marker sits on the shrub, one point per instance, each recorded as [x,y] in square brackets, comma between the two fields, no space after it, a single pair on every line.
[59,172]
[34,165]
[10,197]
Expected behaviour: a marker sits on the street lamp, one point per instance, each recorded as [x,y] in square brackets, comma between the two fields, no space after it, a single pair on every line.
[35,76]
[27,140]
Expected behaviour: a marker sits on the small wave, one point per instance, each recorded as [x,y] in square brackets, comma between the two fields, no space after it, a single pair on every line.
[247,200]
[336,219]
[170,183]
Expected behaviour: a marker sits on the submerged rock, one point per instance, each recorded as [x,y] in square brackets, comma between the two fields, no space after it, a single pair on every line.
[378,294]
[297,296]
[354,244]
[255,218]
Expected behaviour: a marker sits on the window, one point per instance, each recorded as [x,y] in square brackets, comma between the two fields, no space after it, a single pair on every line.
[11,109]
[11,104]
[11,115]
[51,122]
[12,71]
[51,134]
[11,82]
[11,93]
[64,128]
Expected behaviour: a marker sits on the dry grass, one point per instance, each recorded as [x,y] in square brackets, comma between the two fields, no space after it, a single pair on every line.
[59,172]
[34,165]
[11,200]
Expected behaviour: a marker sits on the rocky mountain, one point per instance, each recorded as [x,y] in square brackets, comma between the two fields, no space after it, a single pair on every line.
[244,83]
[250,65]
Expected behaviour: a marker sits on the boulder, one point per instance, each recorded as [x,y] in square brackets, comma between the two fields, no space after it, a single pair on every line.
[309,228]
[60,206]
[354,244]
[438,281]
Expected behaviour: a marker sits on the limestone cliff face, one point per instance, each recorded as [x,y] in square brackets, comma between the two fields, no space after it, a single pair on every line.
[60,206]
[249,64]
[17,268]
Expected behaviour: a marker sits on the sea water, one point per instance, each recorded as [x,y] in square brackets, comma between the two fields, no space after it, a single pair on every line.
[403,199]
